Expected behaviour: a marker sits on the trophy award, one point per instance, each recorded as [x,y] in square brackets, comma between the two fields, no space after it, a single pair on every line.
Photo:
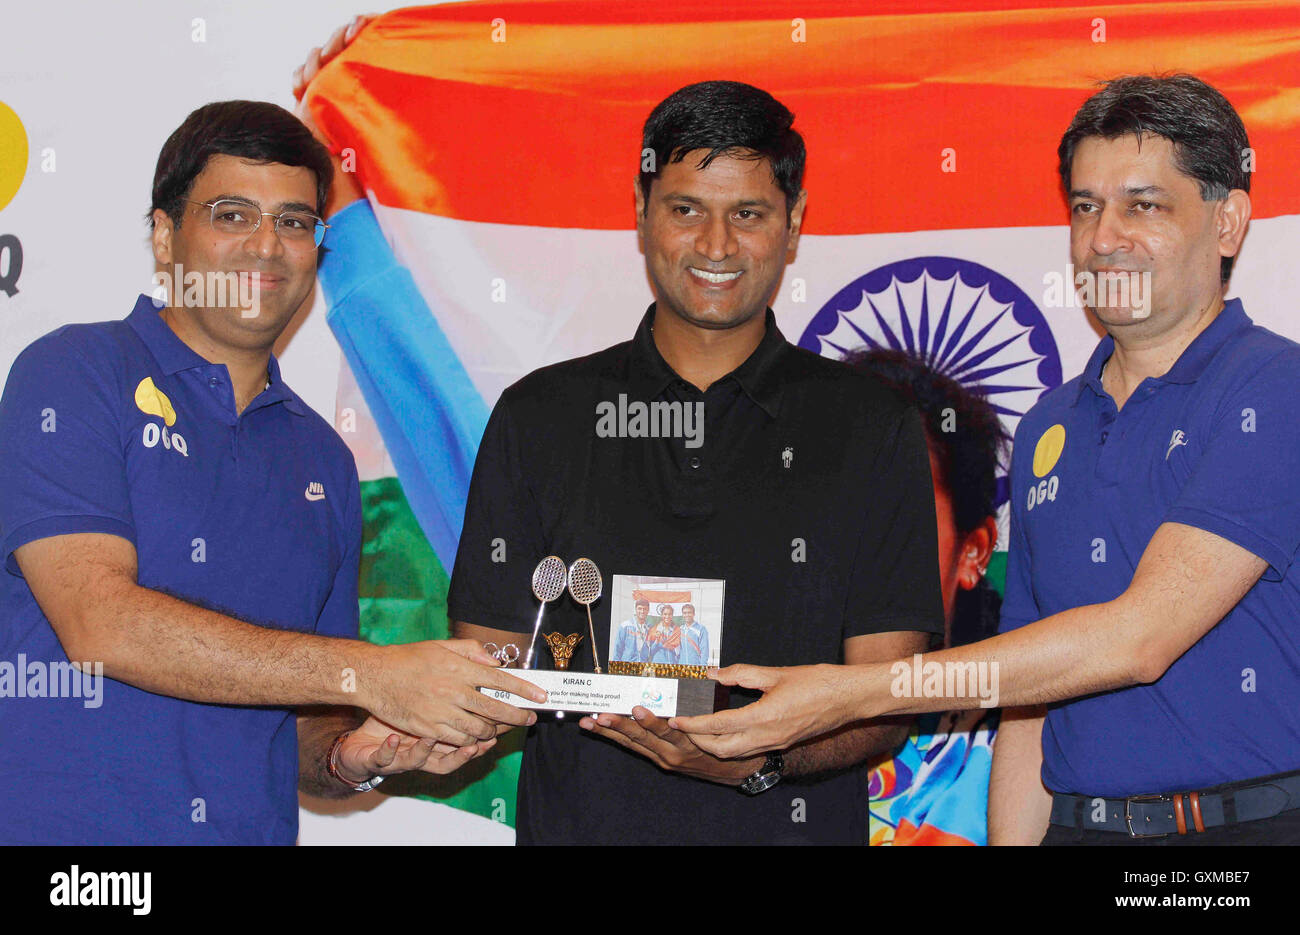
[664,690]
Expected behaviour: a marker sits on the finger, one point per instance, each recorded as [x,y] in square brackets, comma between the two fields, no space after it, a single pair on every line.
[727,747]
[386,752]
[501,712]
[311,66]
[409,755]
[472,650]
[630,729]
[653,724]
[454,759]
[501,679]
[622,740]
[450,762]
[298,85]
[453,734]
[333,45]
[718,723]
[747,676]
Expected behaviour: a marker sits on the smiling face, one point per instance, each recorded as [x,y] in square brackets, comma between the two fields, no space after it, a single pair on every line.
[282,274]
[688,615]
[716,240]
[1133,210]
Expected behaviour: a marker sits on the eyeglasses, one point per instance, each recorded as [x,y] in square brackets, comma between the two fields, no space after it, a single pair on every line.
[296,229]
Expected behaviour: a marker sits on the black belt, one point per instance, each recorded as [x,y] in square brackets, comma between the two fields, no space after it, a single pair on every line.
[1143,816]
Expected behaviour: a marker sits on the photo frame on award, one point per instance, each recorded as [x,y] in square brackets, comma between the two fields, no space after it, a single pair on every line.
[665,626]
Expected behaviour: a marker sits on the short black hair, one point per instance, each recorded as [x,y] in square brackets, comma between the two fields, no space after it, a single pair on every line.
[725,118]
[968,450]
[253,130]
[639,602]
[1208,137]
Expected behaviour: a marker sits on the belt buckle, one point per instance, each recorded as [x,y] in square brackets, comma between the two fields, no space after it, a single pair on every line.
[1128,815]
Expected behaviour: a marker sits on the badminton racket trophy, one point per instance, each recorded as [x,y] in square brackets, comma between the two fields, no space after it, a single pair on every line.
[593,692]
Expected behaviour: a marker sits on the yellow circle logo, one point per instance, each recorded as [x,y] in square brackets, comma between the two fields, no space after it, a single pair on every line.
[154,402]
[1048,450]
[13,154]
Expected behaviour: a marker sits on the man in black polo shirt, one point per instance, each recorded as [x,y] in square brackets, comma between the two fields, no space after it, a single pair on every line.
[809,494]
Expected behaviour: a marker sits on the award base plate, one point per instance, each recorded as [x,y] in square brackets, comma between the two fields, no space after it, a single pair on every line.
[588,693]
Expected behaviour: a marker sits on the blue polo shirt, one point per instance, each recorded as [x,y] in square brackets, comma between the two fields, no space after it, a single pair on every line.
[120,428]
[1215,444]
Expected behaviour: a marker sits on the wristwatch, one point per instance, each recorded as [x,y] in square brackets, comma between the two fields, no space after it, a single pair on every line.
[767,776]
[332,764]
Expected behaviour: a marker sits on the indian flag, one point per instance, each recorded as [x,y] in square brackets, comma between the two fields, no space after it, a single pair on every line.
[498,144]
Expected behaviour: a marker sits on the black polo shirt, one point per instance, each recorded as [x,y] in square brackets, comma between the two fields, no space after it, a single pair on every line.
[857,493]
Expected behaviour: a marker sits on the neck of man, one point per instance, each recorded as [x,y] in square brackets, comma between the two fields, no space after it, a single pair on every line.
[1139,355]
[248,367]
[701,356]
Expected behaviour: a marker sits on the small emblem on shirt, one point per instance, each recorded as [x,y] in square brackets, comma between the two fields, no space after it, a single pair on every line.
[787,457]
[154,402]
[1048,450]
[1178,438]
[314,491]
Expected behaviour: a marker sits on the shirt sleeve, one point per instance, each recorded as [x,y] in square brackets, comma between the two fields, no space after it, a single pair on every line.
[895,574]
[1018,604]
[341,614]
[491,583]
[1244,487]
[62,463]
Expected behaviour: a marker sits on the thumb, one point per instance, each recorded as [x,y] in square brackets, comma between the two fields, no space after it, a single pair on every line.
[385,753]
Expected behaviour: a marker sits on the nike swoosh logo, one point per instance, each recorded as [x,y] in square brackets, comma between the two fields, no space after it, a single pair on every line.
[313,496]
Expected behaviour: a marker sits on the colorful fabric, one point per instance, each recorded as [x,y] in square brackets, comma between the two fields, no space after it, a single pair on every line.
[934,789]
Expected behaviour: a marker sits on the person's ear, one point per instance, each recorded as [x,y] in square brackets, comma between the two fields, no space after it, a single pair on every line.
[976,550]
[1233,219]
[639,200]
[162,237]
[796,220]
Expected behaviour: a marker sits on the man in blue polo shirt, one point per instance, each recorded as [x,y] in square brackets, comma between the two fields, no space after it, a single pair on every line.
[177,523]
[1152,595]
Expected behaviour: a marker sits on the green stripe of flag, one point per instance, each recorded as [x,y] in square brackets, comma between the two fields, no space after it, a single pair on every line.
[403,592]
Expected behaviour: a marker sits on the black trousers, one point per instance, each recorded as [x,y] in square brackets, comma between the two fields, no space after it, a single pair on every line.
[1280,829]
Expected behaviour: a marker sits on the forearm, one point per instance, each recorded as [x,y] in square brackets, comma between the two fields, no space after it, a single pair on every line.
[317,731]
[1019,805]
[165,645]
[1089,649]
[845,747]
